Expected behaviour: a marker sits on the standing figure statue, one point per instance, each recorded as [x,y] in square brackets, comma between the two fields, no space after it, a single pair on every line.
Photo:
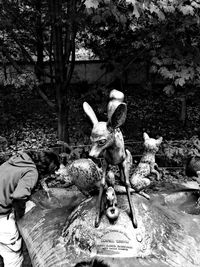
[107,140]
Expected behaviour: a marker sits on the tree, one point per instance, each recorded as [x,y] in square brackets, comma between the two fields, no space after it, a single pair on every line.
[64,30]
[58,22]
[164,33]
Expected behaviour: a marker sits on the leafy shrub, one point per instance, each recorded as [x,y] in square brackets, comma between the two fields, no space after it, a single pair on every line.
[27,79]
[179,151]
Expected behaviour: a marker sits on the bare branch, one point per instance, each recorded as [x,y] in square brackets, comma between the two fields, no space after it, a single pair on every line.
[45,98]
[65,145]
[196,153]
[197,144]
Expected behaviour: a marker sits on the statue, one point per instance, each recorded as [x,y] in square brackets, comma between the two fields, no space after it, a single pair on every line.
[112,211]
[193,162]
[83,173]
[140,177]
[59,231]
[107,139]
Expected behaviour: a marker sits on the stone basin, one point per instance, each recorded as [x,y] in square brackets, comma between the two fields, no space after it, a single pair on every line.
[60,231]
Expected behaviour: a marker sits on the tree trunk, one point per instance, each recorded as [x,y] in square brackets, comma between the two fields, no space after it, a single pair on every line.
[183,113]
[5,71]
[63,43]
[55,7]
[51,59]
[39,41]
[63,113]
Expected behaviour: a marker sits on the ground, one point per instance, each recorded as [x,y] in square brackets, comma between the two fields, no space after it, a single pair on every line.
[25,117]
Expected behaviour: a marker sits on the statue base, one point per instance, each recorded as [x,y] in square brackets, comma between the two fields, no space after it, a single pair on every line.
[60,231]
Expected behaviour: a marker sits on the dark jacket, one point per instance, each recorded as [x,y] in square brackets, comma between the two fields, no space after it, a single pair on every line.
[18,176]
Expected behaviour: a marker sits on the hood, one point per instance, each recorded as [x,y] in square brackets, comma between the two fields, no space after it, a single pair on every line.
[21,159]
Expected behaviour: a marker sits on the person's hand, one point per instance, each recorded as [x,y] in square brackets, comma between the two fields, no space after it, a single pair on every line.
[19,206]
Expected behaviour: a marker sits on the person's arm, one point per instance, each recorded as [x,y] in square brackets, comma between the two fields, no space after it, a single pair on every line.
[19,206]
[25,185]
[23,191]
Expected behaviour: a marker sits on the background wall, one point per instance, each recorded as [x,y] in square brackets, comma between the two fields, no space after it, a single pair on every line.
[90,71]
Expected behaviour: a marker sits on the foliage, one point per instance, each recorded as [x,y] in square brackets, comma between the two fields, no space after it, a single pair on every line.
[36,31]
[26,79]
[180,151]
[163,32]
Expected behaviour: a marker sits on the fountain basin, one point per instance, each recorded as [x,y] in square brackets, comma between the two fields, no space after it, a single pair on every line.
[61,232]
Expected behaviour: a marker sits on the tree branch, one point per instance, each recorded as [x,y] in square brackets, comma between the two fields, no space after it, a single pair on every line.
[45,98]
[196,144]
[17,67]
[196,153]
[14,36]
[19,18]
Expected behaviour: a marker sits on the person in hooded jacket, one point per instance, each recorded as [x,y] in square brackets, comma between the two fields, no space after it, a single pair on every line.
[18,177]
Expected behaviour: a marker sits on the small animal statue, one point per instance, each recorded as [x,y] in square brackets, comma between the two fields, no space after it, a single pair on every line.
[139,179]
[83,173]
[86,176]
[112,211]
[192,166]
[107,140]
[193,162]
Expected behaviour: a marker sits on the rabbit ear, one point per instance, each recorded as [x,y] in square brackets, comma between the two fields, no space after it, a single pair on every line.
[89,111]
[118,117]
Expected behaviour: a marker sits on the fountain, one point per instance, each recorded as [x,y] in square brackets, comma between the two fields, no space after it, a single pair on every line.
[61,230]
[167,234]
